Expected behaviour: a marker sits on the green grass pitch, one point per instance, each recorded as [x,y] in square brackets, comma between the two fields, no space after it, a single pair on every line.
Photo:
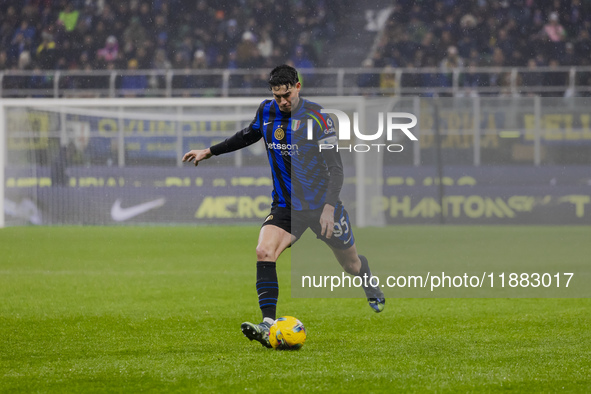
[129,309]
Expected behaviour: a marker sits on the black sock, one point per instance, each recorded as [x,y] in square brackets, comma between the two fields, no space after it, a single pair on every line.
[365,271]
[364,267]
[267,288]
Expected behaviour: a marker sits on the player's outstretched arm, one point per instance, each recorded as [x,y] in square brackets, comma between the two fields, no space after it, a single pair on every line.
[197,155]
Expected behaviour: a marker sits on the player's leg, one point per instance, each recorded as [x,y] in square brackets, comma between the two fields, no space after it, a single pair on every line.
[274,238]
[342,244]
[272,242]
[356,264]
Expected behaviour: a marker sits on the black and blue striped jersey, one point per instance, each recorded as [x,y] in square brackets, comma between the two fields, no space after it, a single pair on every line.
[303,177]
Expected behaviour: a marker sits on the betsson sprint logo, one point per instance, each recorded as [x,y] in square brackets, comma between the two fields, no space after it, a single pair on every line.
[120,214]
[285,149]
[344,133]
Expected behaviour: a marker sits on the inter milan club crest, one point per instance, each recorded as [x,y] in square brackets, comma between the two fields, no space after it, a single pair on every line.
[295,124]
[279,134]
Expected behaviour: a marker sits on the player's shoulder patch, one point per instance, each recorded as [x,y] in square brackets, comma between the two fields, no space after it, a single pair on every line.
[324,121]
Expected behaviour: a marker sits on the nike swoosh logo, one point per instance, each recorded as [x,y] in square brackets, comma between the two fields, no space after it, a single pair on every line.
[350,236]
[266,123]
[120,214]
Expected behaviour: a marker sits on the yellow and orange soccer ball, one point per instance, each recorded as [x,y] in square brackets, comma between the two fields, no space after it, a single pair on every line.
[288,333]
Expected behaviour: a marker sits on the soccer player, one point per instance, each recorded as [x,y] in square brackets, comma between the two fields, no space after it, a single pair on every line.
[306,187]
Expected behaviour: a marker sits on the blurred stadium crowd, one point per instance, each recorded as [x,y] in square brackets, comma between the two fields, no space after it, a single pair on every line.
[245,34]
[162,34]
[516,33]
[536,35]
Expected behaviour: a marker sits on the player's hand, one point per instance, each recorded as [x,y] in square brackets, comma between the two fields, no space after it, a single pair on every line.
[327,221]
[197,155]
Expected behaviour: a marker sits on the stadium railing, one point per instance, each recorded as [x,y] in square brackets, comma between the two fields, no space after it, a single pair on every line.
[482,81]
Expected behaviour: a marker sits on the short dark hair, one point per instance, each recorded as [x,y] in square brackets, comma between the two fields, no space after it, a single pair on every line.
[283,75]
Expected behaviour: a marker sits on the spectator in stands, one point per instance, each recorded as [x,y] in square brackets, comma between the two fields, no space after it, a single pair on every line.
[3,60]
[45,19]
[134,35]
[247,55]
[505,84]
[449,63]
[388,81]
[45,53]
[556,81]
[69,17]
[24,60]
[301,59]
[416,29]
[452,60]
[40,82]
[468,25]
[497,60]
[199,60]
[233,35]
[515,59]
[472,80]
[570,57]
[110,51]
[9,20]
[368,79]
[26,30]
[555,35]
[583,48]
[412,80]
[303,63]
[505,43]
[183,80]
[133,85]
[146,17]
[265,44]
[405,47]
[444,42]
[161,30]
[531,77]
[143,58]
[161,61]
[465,46]
[429,47]
[232,63]
[100,33]
[90,48]
[90,82]
[180,61]
[18,45]
[429,79]
[553,30]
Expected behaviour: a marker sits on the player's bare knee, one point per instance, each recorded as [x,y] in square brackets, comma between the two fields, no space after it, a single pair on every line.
[265,253]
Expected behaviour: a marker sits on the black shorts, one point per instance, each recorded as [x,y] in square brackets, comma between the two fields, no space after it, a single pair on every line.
[297,222]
